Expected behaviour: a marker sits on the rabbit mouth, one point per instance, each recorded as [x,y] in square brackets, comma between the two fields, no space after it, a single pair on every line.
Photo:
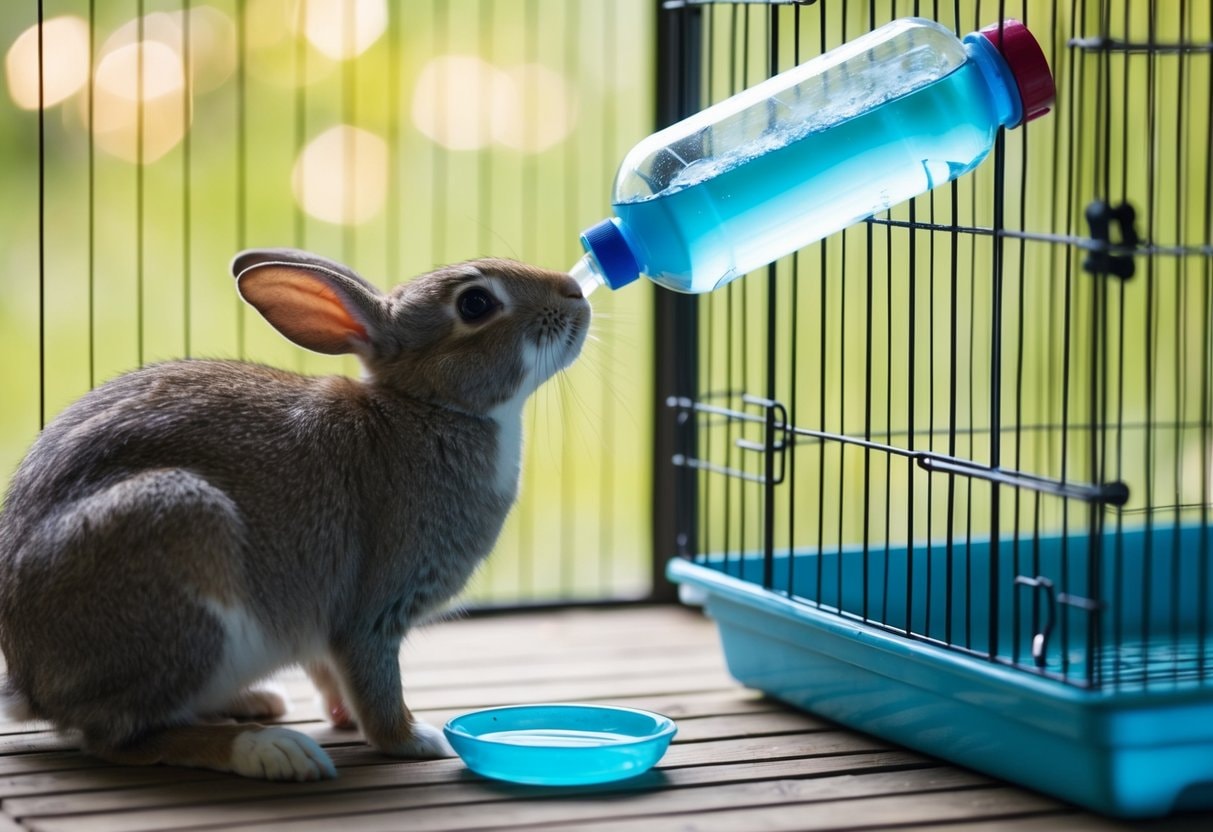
[556,345]
[556,351]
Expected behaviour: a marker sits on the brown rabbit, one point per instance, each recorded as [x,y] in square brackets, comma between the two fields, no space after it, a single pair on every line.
[183,531]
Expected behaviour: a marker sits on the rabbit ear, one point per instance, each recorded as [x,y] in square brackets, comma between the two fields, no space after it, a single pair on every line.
[317,308]
[256,256]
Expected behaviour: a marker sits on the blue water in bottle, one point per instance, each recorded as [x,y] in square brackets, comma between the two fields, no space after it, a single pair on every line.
[866,131]
[711,232]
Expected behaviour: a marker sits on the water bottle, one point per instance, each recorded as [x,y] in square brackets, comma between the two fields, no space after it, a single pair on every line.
[875,122]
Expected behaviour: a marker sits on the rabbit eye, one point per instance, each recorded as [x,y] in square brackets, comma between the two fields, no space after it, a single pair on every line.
[475,304]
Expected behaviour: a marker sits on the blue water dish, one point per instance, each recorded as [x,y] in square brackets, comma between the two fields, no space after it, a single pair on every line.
[560,744]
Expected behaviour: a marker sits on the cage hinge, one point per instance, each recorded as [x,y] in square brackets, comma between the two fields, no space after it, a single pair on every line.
[1043,585]
[1106,256]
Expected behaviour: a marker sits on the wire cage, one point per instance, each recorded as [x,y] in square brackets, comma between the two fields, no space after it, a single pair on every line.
[946,476]
[147,141]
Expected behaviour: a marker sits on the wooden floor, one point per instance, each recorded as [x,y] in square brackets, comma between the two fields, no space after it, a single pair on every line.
[740,761]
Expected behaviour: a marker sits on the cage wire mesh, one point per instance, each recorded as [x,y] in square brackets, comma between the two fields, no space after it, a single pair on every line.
[155,138]
[983,419]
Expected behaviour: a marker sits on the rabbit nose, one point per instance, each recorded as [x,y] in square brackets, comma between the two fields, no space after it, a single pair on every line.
[569,288]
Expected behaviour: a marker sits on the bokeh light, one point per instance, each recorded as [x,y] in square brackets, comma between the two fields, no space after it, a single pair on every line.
[119,95]
[273,30]
[341,176]
[212,47]
[342,29]
[542,109]
[162,27]
[457,100]
[268,22]
[65,50]
[212,41]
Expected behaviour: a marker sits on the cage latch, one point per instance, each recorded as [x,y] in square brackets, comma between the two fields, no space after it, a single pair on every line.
[1106,256]
[1040,641]
[770,449]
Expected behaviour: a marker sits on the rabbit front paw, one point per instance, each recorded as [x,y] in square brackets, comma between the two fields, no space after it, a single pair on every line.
[425,742]
[279,754]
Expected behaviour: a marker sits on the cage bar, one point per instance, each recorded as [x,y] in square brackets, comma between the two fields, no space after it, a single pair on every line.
[1040,433]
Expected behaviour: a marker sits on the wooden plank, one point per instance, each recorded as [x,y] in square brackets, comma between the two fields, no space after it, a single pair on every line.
[623,631]
[501,806]
[98,778]
[90,790]
[15,726]
[675,704]
[601,690]
[605,690]
[1072,821]
[558,645]
[700,753]
[45,762]
[678,706]
[101,778]
[691,728]
[748,725]
[483,675]
[870,812]
[35,741]
[382,788]
[617,630]
[537,668]
[559,626]
[608,640]
[783,746]
[731,699]
[741,761]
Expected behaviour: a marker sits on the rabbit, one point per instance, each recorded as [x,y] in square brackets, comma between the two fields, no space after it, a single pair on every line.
[185,530]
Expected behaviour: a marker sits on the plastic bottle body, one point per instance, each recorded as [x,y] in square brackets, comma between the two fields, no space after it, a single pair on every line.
[696,238]
[876,122]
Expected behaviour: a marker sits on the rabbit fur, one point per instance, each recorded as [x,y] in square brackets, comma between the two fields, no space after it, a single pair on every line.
[185,530]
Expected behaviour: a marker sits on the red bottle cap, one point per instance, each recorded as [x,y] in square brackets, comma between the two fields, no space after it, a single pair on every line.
[1027,63]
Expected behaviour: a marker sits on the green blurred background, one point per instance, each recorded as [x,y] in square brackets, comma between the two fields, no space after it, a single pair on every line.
[464,129]
[396,136]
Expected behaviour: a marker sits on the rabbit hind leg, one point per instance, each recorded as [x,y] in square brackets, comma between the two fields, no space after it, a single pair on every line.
[264,701]
[104,626]
[248,750]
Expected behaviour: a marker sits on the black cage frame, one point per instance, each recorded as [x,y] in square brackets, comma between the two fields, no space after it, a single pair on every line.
[1128,421]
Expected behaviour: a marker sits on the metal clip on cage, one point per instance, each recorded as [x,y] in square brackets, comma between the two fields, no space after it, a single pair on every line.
[946,476]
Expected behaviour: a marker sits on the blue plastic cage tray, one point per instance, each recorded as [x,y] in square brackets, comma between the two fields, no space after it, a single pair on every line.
[1131,737]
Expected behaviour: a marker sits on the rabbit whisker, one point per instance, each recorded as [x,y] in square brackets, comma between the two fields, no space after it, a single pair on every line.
[589,430]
